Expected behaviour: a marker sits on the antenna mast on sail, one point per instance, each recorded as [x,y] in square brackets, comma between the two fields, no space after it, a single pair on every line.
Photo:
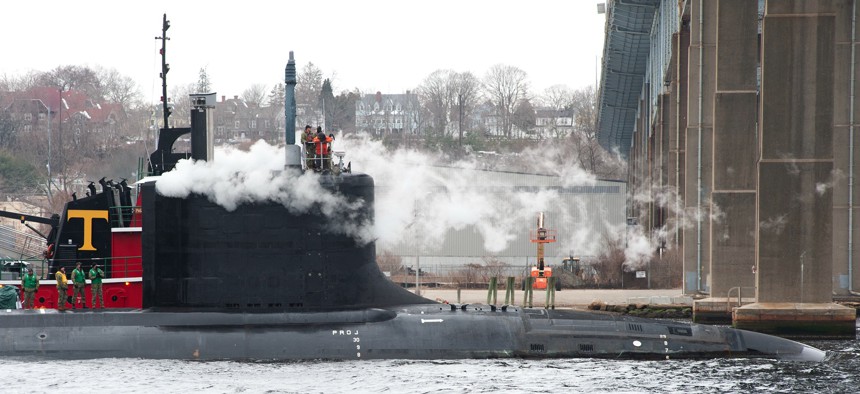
[164,68]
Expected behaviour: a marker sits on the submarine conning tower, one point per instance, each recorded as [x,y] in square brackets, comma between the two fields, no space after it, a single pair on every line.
[261,257]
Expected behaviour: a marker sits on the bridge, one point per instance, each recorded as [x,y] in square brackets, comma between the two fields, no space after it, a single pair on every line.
[743,113]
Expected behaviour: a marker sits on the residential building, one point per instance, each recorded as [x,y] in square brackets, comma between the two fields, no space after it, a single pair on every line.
[553,123]
[380,114]
[237,120]
[90,122]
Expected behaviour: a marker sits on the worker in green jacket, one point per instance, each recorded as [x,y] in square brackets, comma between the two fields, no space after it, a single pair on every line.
[79,278]
[62,285]
[96,275]
[29,283]
[307,141]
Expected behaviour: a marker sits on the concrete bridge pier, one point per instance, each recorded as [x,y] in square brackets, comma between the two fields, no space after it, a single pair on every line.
[728,29]
[796,175]
[770,190]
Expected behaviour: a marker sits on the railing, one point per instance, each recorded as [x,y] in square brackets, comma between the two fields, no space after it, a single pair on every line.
[126,213]
[14,269]
[740,301]
[119,267]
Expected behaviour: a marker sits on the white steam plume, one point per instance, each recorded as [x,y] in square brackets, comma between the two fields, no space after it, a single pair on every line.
[418,199]
[236,177]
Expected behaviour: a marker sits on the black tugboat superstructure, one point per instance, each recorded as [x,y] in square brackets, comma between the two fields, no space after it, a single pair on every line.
[263,282]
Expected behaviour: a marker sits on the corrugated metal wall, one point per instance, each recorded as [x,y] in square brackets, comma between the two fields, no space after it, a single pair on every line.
[581,214]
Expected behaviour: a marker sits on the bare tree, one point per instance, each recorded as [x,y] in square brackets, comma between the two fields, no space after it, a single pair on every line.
[308,84]
[275,108]
[505,87]
[438,94]
[66,78]
[21,83]
[609,264]
[558,98]
[6,83]
[8,128]
[584,106]
[389,262]
[524,117]
[494,267]
[179,96]
[308,88]
[118,88]
[470,274]
[255,94]
[468,89]
[583,141]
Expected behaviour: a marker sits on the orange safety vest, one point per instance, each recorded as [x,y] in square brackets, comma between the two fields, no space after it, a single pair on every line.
[322,146]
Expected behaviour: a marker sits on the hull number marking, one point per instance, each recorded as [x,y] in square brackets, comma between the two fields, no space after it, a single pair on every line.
[355,339]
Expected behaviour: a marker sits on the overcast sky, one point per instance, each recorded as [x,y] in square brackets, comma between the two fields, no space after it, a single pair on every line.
[373,45]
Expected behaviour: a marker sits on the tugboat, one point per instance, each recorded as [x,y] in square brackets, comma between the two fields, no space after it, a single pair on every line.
[102,228]
[268,282]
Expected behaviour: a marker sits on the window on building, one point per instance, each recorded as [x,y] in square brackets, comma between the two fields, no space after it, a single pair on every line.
[28,116]
[236,124]
[253,124]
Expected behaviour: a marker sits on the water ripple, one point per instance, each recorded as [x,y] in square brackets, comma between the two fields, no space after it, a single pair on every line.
[837,374]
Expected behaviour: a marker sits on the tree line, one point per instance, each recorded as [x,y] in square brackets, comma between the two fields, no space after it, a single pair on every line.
[448,101]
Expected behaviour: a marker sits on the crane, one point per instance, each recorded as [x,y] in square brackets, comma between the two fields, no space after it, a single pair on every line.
[541,237]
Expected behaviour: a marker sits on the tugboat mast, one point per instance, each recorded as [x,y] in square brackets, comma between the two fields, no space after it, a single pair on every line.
[164,68]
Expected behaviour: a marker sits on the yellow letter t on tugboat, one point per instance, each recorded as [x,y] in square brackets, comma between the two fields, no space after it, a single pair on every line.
[87,216]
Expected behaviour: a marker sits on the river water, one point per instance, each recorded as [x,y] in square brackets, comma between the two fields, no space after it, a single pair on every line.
[840,373]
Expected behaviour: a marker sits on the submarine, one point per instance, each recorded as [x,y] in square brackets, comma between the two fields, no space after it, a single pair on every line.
[263,283]
[267,282]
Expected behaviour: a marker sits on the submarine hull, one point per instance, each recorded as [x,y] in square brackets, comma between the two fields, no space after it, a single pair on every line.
[267,282]
[439,331]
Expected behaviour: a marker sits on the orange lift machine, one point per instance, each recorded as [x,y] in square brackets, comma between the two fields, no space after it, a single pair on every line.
[541,237]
